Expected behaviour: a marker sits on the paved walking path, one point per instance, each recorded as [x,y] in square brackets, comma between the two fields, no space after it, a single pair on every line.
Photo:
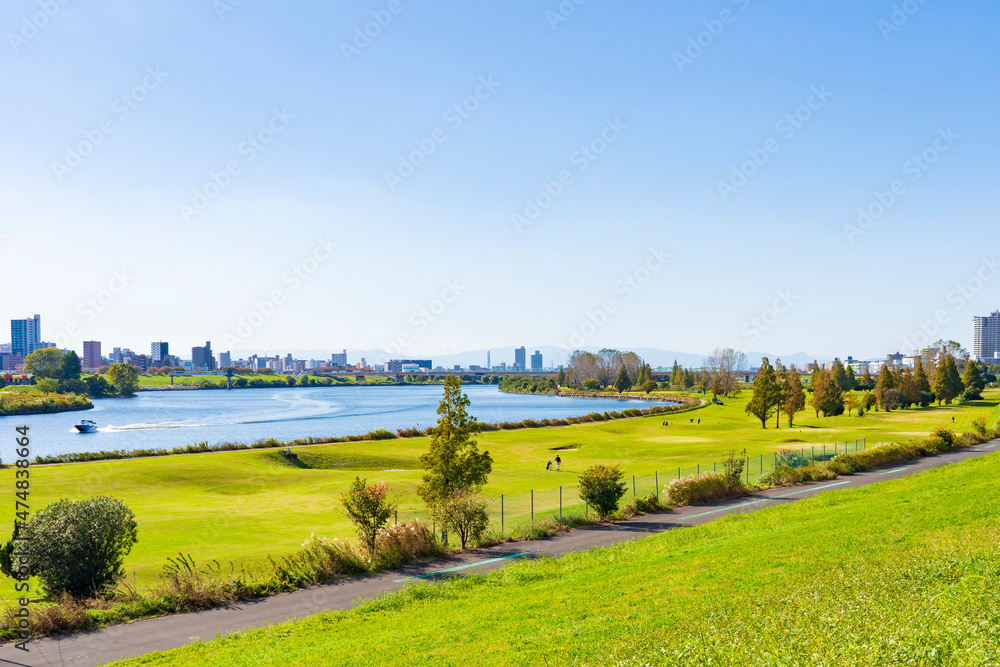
[159,634]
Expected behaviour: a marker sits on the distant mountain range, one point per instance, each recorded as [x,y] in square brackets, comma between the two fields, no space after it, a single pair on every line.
[551,355]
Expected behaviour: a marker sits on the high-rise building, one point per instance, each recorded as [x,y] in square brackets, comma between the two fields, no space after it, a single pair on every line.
[225,360]
[519,358]
[536,361]
[202,358]
[160,352]
[26,335]
[339,359]
[91,354]
[396,365]
[986,336]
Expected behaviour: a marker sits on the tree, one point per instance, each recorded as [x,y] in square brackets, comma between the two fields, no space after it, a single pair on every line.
[794,394]
[688,378]
[623,383]
[45,363]
[561,378]
[867,382]
[464,512]
[676,376]
[947,383]
[369,508]
[124,378]
[818,386]
[886,381]
[851,401]
[908,388]
[602,487]
[78,547]
[920,377]
[98,387]
[649,386]
[839,376]
[766,394]
[852,380]
[780,372]
[639,381]
[732,470]
[70,366]
[833,397]
[973,377]
[724,364]
[454,462]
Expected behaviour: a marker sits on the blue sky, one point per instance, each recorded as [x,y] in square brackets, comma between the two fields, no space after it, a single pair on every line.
[638,245]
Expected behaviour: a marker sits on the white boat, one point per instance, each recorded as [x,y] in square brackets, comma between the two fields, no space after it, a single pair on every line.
[86,426]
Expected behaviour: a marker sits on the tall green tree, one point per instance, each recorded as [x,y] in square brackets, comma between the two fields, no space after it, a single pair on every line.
[561,378]
[688,378]
[70,366]
[45,363]
[867,381]
[947,382]
[908,387]
[124,378]
[623,382]
[454,462]
[840,376]
[973,377]
[793,393]
[818,385]
[677,376]
[642,375]
[920,377]
[766,394]
[833,397]
[780,373]
[852,380]
[886,381]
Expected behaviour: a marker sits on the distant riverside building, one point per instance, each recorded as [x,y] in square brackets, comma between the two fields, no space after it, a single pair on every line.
[202,358]
[225,360]
[339,359]
[11,362]
[398,365]
[26,335]
[986,337]
[519,357]
[159,351]
[536,361]
[91,354]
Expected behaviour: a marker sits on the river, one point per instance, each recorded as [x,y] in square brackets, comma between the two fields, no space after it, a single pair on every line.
[167,419]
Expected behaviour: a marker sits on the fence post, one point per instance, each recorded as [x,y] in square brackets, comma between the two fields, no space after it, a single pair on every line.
[532,507]
[501,514]
[678,473]
[814,454]
[761,471]
[395,517]
[633,487]
[699,468]
[824,452]
[657,482]
[748,470]
[560,501]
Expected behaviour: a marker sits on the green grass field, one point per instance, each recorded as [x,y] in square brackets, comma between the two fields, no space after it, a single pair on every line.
[241,506]
[903,573]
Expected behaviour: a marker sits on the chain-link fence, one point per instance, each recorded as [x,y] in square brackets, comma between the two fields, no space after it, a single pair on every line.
[511,511]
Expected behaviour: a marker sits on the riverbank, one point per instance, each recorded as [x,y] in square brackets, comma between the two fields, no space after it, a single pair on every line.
[14,404]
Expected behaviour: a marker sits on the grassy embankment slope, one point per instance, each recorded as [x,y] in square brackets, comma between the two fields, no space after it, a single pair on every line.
[220,505]
[902,572]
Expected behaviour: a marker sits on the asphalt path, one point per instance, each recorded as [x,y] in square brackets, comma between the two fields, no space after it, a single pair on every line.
[160,634]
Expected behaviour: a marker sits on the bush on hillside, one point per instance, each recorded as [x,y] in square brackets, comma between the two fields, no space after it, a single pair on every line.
[696,488]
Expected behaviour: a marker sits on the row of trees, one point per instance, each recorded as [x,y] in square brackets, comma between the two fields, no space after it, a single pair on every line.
[56,371]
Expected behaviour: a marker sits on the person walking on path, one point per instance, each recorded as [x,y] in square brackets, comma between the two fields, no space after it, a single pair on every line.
[558,461]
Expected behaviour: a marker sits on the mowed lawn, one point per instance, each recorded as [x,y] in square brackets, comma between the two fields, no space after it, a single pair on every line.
[242,506]
[901,572]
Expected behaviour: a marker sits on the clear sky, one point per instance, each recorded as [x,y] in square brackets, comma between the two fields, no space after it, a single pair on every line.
[680,175]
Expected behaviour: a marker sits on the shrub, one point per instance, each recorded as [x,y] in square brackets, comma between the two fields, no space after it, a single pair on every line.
[591,384]
[733,470]
[47,385]
[845,464]
[602,487]
[783,475]
[404,543]
[971,394]
[696,488]
[981,427]
[945,434]
[369,509]
[815,474]
[465,512]
[77,547]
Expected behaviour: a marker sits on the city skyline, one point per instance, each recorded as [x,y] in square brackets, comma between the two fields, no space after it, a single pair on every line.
[735,173]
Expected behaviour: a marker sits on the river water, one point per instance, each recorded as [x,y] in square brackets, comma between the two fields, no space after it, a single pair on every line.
[167,419]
